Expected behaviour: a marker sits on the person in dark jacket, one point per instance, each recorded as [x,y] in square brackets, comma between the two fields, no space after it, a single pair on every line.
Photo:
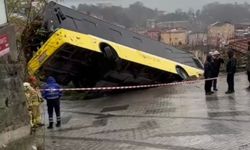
[248,64]
[231,69]
[208,73]
[52,93]
[217,61]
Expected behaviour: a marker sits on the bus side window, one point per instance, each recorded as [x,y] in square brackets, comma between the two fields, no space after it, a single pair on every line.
[137,41]
[116,35]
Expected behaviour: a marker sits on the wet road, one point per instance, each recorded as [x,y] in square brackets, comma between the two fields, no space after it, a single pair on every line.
[174,118]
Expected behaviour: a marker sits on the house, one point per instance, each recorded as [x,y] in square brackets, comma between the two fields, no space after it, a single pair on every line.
[154,34]
[219,33]
[175,37]
[242,33]
[151,23]
[242,25]
[242,30]
[197,39]
[173,24]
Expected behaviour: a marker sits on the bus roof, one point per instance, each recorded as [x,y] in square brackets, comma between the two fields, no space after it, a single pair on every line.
[58,16]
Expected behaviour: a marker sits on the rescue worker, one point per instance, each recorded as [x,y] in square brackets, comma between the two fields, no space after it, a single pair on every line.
[208,73]
[52,93]
[231,70]
[33,104]
[35,84]
[248,64]
[217,61]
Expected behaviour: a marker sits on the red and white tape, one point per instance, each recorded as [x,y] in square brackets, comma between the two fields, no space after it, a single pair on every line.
[131,87]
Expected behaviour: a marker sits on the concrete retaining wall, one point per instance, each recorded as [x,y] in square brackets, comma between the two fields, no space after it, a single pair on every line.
[13,112]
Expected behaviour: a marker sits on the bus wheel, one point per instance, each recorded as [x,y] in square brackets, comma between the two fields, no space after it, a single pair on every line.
[182,73]
[109,52]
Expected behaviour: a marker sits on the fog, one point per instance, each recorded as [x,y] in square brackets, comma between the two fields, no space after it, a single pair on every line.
[165,5]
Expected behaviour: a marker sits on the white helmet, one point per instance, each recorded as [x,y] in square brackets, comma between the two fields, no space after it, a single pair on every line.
[211,53]
[27,86]
[216,53]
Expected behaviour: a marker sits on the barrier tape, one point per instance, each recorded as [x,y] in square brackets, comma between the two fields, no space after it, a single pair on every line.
[130,87]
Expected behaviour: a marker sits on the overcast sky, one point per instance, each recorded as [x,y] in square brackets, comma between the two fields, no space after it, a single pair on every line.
[166,5]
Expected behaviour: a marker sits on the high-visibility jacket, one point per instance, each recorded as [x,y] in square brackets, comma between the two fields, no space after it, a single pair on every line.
[32,96]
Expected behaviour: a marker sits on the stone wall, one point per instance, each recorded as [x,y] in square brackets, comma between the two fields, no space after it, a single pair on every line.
[13,112]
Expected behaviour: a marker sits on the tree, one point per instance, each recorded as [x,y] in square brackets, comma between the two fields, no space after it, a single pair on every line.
[139,14]
[74,7]
[234,13]
[178,15]
[135,15]
[21,14]
[26,16]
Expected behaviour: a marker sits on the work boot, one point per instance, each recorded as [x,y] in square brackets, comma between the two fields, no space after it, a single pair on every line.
[58,124]
[209,93]
[32,130]
[50,125]
[40,124]
[229,92]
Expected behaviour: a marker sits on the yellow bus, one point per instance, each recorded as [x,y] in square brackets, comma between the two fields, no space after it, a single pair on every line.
[91,52]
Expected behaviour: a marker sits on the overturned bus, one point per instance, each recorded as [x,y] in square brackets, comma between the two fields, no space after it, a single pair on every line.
[90,52]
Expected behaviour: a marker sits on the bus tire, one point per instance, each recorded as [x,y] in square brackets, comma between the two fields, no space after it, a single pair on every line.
[182,73]
[109,52]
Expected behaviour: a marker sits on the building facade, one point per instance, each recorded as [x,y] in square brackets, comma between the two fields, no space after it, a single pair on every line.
[173,24]
[154,34]
[197,39]
[220,33]
[175,37]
